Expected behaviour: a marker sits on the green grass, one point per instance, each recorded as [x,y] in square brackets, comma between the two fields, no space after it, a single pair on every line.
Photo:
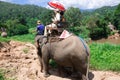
[23,38]
[2,74]
[25,50]
[4,39]
[105,56]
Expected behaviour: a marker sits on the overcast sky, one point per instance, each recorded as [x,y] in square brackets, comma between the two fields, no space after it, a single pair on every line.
[82,4]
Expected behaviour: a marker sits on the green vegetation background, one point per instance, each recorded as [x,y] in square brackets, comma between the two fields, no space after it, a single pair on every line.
[18,19]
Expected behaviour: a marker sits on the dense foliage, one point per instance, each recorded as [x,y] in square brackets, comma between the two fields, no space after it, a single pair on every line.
[98,20]
[19,18]
[116,17]
[73,16]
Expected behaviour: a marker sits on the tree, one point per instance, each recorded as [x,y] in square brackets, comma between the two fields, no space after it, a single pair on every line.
[73,17]
[97,25]
[117,17]
[14,27]
[46,16]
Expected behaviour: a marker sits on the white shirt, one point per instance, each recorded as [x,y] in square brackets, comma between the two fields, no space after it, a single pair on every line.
[57,17]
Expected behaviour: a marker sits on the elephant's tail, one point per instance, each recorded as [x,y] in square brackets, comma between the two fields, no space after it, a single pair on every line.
[88,67]
[88,57]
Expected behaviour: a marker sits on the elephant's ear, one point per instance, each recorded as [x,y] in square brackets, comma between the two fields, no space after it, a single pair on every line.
[45,40]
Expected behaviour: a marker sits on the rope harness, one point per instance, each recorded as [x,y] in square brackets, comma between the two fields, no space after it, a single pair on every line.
[83,42]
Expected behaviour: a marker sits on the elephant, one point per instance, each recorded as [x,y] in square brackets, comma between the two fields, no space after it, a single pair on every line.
[4,34]
[69,52]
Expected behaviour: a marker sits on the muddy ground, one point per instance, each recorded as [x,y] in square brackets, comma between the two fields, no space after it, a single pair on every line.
[20,62]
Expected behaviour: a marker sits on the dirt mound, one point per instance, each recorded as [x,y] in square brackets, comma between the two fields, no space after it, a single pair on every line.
[20,62]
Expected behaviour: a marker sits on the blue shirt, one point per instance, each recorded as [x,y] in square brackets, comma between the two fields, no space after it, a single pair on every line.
[40,29]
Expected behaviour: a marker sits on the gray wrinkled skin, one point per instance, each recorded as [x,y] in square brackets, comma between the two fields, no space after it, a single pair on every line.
[70,52]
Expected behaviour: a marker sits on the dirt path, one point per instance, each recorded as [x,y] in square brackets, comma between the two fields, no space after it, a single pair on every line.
[20,62]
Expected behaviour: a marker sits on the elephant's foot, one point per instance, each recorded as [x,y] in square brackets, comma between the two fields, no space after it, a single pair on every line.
[84,77]
[46,75]
[73,75]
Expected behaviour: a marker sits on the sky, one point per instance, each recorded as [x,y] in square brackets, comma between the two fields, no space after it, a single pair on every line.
[82,4]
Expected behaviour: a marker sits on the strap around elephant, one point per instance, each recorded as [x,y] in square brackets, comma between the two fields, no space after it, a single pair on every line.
[84,46]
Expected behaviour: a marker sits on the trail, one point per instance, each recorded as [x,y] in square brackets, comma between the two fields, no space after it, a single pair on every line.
[20,62]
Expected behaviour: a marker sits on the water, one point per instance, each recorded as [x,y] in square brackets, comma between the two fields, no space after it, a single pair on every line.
[109,40]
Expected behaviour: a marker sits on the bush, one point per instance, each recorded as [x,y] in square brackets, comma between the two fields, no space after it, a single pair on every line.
[18,29]
[32,30]
[99,32]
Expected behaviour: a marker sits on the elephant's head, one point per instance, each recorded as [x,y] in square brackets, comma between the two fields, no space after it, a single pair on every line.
[43,40]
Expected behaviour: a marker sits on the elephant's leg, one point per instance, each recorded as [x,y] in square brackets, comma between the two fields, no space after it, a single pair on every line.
[45,61]
[75,73]
[40,58]
[38,39]
[81,70]
[60,68]
[84,71]
[46,67]
[64,71]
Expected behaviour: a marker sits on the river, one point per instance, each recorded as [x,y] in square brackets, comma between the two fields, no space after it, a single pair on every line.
[108,40]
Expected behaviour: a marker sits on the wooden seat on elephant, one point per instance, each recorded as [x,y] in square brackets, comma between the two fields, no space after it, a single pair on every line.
[59,29]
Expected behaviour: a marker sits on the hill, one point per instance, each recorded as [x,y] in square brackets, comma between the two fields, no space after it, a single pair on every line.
[102,10]
[26,14]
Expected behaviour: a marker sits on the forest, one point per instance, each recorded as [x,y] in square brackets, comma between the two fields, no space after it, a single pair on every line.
[21,19]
